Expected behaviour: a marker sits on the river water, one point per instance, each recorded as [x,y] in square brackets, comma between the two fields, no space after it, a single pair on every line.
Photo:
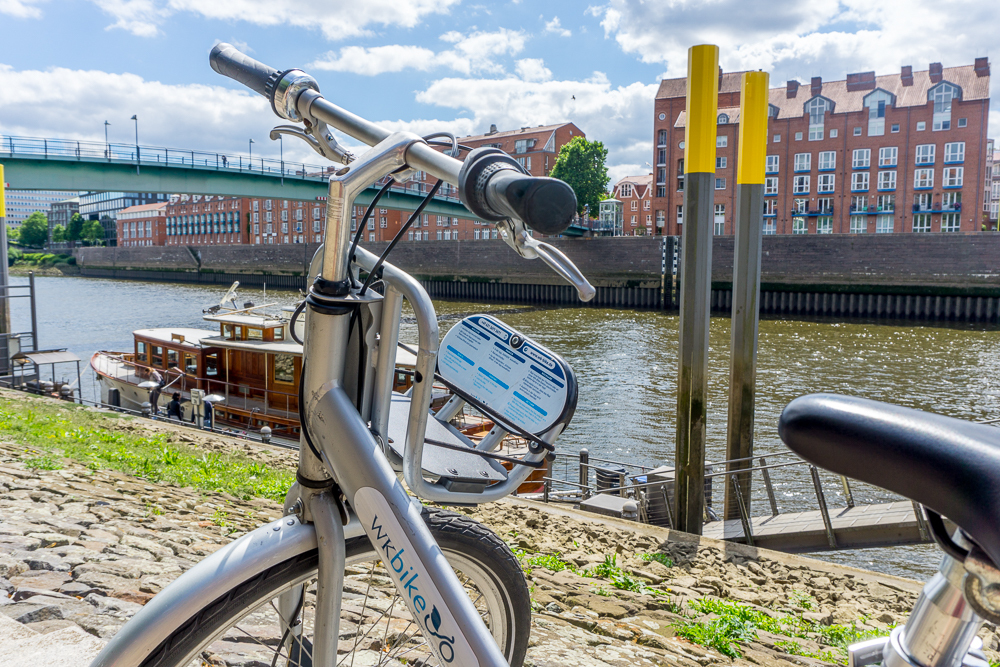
[625,362]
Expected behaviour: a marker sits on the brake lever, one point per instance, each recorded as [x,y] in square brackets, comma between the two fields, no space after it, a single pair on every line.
[319,138]
[524,244]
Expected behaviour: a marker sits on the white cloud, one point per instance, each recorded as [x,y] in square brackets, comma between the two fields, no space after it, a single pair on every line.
[477,52]
[619,116]
[21,9]
[533,69]
[74,104]
[336,19]
[555,26]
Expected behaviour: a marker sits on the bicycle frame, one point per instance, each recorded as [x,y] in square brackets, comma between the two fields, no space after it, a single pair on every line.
[351,466]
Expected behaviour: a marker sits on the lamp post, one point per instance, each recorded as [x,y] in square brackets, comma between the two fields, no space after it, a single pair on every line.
[250,163]
[107,145]
[135,117]
[281,153]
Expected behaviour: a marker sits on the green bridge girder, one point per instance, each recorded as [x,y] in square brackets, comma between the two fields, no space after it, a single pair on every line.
[35,172]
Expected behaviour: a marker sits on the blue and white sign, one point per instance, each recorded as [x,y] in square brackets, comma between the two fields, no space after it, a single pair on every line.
[520,380]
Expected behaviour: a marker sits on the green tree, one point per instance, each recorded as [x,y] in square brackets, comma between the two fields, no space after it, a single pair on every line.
[581,164]
[74,231]
[58,234]
[35,230]
[93,232]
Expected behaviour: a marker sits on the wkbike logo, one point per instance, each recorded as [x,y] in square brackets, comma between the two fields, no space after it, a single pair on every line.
[407,578]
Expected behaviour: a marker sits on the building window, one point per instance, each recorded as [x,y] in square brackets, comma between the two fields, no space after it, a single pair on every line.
[661,218]
[923,179]
[769,228]
[922,201]
[827,160]
[962,122]
[770,207]
[921,126]
[877,101]
[371,223]
[799,226]
[925,153]
[723,119]
[859,181]
[954,152]
[371,238]
[824,225]
[680,215]
[635,204]
[525,162]
[833,133]
[721,141]
[887,180]
[952,177]
[645,206]
[798,136]
[862,158]
[720,163]
[857,131]
[777,139]
[825,205]
[803,162]
[922,223]
[635,221]
[661,156]
[825,183]
[883,224]
[661,178]
[859,224]
[772,164]
[817,108]
[267,204]
[625,190]
[720,219]
[522,145]
[799,205]
[885,203]
[720,184]
[771,185]
[887,156]
[661,138]
[895,128]
[942,95]
[383,222]
[950,222]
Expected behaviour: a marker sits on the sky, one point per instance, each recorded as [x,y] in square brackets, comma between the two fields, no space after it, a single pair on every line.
[67,66]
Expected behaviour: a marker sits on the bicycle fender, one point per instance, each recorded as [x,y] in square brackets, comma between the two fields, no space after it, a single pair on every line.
[211,578]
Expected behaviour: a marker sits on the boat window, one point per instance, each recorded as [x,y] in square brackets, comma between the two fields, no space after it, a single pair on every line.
[232,331]
[284,368]
[212,365]
[156,356]
[279,333]
[190,364]
[172,357]
[255,334]
[140,351]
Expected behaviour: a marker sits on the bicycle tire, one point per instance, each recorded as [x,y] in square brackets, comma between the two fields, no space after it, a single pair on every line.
[465,543]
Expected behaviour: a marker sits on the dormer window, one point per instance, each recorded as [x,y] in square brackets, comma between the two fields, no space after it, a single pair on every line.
[942,95]
[877,101]
[817,108]
[772,111]
[723,119]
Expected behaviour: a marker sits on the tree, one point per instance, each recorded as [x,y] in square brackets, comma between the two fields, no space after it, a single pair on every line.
[58,234]
[93,232]
[74,231]
[581,164]
[35,230]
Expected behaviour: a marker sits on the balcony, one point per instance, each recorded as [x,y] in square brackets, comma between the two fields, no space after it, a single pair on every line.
[938,208]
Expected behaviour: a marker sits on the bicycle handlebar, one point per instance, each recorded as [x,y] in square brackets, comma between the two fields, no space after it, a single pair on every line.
[227,60]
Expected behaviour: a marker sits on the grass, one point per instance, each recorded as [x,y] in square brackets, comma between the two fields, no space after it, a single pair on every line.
[737,623]
[619,578]
[50,431]
[662,559]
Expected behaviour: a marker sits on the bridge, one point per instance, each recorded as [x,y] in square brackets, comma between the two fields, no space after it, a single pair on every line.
[32,163]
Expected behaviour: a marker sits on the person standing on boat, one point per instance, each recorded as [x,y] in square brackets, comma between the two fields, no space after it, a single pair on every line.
[174,407]
[154,395]
[209,414]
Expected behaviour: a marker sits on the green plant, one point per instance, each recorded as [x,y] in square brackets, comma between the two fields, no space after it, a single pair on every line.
[802,599]
[662,559]
[550,562]
[43,462]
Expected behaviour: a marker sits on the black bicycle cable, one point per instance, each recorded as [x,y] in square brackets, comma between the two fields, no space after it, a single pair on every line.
[364,221]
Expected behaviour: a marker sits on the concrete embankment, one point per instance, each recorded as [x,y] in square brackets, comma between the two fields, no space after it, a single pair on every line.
[898,276]
[83,548]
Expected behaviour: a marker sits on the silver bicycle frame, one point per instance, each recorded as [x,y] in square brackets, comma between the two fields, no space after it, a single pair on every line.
[350,457]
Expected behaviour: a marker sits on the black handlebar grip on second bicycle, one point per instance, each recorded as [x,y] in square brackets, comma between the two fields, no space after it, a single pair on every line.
[227,60]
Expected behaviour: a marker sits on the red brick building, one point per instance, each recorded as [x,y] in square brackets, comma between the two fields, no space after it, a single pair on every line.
[636,195]
[897,153]
[142,225]
[216,220]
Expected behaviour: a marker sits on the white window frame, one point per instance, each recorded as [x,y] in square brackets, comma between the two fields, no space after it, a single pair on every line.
[954,152]
[800,185]
[887,180]
[773,162]
[861,158]
[921,223]
[802,162]
[827,160]
[951,222]
[885,224]
[923,178]
[888,156]
[953,177]
[859,224]
[860,181]
[824,224]
[925,154]
[800,225]
[825,183]
[771,185]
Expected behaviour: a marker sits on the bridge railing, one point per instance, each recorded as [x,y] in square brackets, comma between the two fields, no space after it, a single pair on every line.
[62,149]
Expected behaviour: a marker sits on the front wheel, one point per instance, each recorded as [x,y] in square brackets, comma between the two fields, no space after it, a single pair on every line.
[250,627]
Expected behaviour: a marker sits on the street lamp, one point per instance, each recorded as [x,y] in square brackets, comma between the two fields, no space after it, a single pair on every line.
[136,119]
[251,155]
[107,146]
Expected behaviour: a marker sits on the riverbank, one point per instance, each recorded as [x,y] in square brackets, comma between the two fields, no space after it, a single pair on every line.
[57,271]
[93,528]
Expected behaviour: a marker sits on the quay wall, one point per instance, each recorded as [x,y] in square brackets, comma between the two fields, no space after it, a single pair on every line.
[913,276]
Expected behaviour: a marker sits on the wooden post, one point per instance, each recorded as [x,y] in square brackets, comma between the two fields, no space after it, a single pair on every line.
[696,285]
[749,222]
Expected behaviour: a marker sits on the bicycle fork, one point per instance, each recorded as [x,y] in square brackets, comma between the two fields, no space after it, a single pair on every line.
[347,449]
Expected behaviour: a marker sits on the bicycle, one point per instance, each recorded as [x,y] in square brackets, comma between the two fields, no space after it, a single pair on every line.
[290,581]
[948,466]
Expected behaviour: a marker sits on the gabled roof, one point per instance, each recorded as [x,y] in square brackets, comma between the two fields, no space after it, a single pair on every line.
[509,133]
[144,207]
[644,182]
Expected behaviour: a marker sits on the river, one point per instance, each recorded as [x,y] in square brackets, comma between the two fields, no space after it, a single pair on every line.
[625,362]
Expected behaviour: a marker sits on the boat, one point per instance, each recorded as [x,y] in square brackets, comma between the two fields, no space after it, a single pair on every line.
[247,364]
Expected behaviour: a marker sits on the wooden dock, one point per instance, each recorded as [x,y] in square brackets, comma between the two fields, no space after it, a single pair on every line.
[863,526]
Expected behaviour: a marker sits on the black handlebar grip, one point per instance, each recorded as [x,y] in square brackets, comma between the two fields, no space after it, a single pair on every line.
[227,60]
[546,205]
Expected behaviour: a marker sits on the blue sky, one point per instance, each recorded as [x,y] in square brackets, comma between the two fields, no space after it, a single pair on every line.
[424,65]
